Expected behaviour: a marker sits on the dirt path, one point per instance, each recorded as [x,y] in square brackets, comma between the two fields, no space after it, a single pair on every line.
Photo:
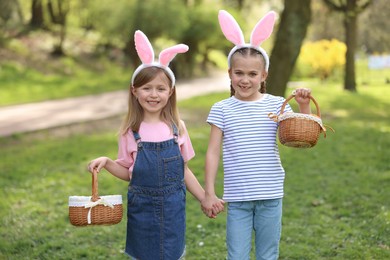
[55,113]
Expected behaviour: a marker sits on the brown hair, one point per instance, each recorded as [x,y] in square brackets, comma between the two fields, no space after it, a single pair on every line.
[245,52]
[134,117]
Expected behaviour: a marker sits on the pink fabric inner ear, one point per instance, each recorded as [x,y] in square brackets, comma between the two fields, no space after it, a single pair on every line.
[146,54]
[144,47]
[167,55]
[263,29]
[230,28]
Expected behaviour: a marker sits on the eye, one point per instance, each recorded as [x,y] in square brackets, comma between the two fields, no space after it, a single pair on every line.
[253,74]
[162,89]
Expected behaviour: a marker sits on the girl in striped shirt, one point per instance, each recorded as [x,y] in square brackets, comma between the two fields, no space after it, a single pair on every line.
[253,173]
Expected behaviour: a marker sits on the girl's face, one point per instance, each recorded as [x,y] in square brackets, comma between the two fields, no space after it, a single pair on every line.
[246,74]
[153,96]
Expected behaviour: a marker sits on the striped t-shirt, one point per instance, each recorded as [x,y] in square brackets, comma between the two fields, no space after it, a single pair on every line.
[252,166]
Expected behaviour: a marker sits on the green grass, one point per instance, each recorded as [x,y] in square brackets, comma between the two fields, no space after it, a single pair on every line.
[69,78]
[336,202]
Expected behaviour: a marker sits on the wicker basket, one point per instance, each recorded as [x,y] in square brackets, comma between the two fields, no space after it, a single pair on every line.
[95,210]
[299,130]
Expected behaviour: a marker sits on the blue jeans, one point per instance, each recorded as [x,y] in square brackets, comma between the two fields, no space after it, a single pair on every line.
[264,217]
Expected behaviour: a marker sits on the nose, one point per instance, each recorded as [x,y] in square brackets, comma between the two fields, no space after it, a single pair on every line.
[245,79]
[154,92]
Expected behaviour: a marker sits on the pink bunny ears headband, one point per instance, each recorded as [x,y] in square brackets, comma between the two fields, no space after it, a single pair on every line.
[146,54]
[260,33]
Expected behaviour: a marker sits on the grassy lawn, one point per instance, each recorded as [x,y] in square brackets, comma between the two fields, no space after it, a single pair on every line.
[336,204]
[69,77]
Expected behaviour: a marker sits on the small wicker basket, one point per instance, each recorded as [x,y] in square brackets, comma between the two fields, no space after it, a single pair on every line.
[95,210]
[299,130]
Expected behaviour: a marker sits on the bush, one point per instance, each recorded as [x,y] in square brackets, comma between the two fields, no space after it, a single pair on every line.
[322,58]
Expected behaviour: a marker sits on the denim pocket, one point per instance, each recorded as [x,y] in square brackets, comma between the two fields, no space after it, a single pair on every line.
[173,168]
[271,203]
[235,205]
[131,198]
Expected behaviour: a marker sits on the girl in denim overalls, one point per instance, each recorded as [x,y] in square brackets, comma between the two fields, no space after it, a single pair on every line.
[154,148]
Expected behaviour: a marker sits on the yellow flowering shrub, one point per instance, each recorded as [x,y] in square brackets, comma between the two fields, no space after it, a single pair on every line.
[323,56]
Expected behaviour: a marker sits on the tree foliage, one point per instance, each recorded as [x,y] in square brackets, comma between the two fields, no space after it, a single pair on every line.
[200,36]
[10,13]
[155,18]
[373,28]
[195,23]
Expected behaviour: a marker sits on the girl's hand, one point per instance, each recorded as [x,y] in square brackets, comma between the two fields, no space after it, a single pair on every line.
[97,164]
[219,207]
[302,96]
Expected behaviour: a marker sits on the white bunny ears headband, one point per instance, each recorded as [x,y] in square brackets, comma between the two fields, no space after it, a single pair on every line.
[260,33]
[146,54]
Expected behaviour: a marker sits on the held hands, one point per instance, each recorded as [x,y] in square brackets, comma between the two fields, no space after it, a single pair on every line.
[212,206]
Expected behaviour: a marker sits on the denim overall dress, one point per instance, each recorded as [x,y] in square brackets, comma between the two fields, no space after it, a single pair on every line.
[156,201]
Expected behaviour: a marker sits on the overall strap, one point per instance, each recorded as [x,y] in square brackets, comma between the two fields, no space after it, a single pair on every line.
[175,133]
[137,138]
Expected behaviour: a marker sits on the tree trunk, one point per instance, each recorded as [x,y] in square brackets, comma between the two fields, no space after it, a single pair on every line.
[58,14]
[292,30]
[350,10]
[240,4]
[350,40]
[131,53]
[36,14]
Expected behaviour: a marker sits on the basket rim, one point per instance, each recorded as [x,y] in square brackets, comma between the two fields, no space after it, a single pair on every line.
[80,201]
[290,115]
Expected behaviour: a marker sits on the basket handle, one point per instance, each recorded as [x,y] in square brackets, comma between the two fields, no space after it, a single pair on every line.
[95,195]
[293,95]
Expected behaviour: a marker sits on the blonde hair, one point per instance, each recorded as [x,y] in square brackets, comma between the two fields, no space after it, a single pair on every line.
[134,117]
[245,52]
